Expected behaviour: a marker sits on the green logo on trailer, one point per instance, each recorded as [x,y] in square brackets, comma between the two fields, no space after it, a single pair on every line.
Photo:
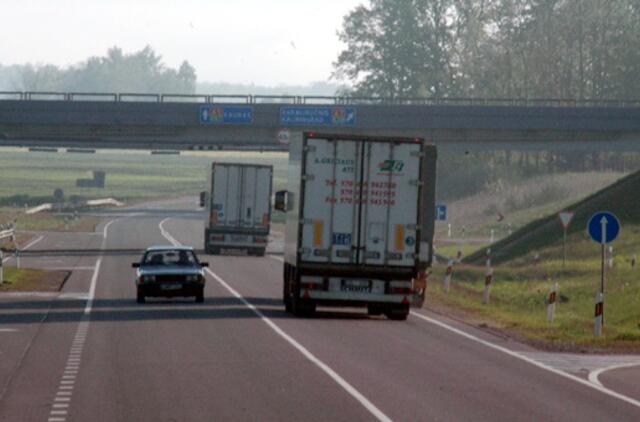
[391,166]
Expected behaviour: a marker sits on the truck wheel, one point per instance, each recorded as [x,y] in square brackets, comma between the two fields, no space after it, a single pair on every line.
[374,310]
[399,313]
[214,250]
[200,296]
[286,297]
[259,252]
[303,308]
[140,296]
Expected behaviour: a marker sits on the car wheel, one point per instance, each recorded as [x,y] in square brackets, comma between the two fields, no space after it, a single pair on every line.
[140,298]
[200,296]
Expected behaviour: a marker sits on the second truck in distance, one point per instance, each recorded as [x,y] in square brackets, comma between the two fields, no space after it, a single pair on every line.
[238,208]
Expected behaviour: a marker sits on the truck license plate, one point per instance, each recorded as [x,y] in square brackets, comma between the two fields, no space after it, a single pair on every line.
[360,286]
[238,238]
[171,286]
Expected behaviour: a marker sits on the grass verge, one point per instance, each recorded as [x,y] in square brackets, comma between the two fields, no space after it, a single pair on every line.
[29,280]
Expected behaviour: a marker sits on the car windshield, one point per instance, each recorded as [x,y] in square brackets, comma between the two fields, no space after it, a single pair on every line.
[181,258]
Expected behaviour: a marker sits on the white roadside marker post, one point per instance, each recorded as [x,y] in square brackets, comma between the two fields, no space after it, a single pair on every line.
[551,305]
[597,330]
[488,258]
[447,276]
[449,230]
[488,278]
[493,235]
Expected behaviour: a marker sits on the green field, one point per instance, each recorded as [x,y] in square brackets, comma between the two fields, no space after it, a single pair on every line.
[520,286]
[130,175]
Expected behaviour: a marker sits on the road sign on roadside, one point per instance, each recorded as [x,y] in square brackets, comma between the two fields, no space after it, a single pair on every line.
[603,227]
[441,212]
[565,218]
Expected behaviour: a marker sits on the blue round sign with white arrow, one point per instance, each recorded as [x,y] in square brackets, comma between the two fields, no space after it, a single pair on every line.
[603,227]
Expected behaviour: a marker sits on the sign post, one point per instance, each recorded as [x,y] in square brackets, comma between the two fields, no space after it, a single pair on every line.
[565,219]
[603,227]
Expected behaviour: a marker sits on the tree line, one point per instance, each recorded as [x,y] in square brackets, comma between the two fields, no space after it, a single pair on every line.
[570,49]
[140,72]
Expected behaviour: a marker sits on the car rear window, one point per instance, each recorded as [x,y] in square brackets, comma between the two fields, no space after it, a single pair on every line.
[170,258]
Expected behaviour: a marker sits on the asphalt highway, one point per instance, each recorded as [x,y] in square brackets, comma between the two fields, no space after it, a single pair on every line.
[93,353]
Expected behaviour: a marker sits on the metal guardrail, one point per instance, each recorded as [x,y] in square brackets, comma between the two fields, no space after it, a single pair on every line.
[308,99]
[7,230]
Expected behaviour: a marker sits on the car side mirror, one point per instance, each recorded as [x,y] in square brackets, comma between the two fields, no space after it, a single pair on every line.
[203,198]
[281,201]
[204,264]
[136,265]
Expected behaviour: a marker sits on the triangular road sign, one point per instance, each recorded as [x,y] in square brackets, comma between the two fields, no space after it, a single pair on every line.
[565,218]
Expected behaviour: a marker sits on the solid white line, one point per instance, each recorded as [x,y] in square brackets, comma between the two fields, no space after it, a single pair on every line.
[377,413]
[8,330]
[33,242]
[517,355]
[27,246]
[277,258]
[593,375]
[96,271]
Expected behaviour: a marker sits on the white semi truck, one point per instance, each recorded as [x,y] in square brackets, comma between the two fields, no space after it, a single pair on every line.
[359,222]
[238,208]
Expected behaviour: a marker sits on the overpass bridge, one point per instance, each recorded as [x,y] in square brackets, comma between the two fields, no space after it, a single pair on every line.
[195,122]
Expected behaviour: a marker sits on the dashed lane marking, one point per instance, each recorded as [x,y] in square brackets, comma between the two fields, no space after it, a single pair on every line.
[64,394]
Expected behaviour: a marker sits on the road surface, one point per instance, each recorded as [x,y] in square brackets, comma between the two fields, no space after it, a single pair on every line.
[93,353]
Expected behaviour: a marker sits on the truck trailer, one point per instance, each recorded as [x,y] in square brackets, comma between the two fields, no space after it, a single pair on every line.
[359,222]
[238,208]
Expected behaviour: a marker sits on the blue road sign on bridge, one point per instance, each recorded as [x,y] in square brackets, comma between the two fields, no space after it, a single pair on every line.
[317,116]
[441,212]
[604,227]
[216,115]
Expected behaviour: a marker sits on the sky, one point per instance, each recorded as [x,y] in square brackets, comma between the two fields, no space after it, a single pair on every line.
[265,42]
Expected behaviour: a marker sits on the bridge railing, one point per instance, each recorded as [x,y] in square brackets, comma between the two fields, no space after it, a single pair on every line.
[308,99]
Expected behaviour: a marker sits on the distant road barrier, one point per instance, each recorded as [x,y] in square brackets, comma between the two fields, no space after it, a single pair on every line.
[7,230]
[89,203]
[307,99]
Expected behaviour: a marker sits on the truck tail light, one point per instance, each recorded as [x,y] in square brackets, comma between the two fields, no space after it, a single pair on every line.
[265,219]
[214,217]
[312,283]
[260,239]
[401,290]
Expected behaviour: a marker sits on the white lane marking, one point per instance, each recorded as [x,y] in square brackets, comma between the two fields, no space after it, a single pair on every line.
[68,378]
[377,413]
[27,246]
[517,355]
[593,375]
[277,258]
[8,330]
